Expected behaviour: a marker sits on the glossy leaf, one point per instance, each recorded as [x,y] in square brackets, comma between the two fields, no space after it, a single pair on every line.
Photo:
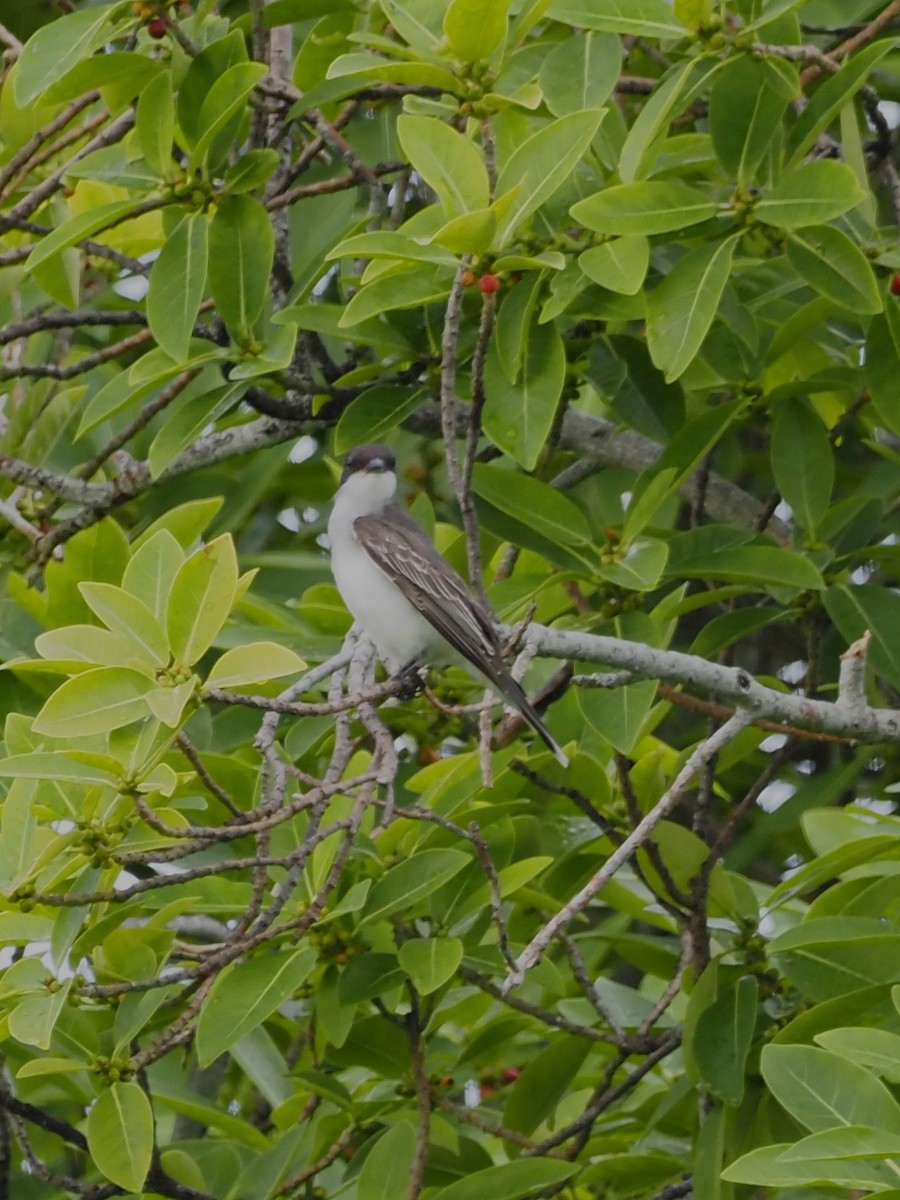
[201,599]
[809,195]
[802,463]
[253,663]
[95,702]
[580,73]
[824,1091]
[177,283]
[742,132]
[550,512]
[120,1135]
[241,249]
[155,124]
[539,166]
[412,881]
[63,42]
[447,161]
[246,995]
[681,310]
[475,28]
[644,208]
[430,962]
[619,264]
[386,1170]
[511,1181]
[639,18]
[519,418]
[835,266]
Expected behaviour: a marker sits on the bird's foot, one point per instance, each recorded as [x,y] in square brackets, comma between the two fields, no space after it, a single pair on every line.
[409,679]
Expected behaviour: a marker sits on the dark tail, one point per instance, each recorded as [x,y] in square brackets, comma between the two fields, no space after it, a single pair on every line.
[515,695]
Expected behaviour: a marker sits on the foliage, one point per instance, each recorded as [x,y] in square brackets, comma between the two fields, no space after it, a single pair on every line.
[619,273]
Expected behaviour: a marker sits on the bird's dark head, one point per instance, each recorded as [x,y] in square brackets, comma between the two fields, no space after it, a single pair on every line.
[372,460]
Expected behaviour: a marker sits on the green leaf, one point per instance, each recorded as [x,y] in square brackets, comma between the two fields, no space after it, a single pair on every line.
[369,975]
[154,125]
[447,161]
[829,956]
[877,1049]
[644,208]
[374,414]
[255,662]
[130,618]
[417,21]
[120,1135]
[519,418]
[177,282]
[802,463]
[186,522]
[581,72]
[834,265]
[410,881]
[830,97]
[824,1091]
[95,702]
[386,1170]
[412,289]
[84,643]
[551,513]
[742,132]
[356,67]
[76,229]
[882,366]
[811,194]
[429,962]
[645,138]
[390,244]
[198,407]
[638,18]
[722,1039]
[56,766]
[540,166]
[617,715]
[245,995]
[241,252]
[202,595]
[766,1166]
[853,1141]
[251,171]
[858,607]
[544,1083]
[681,310]
[757,565]
[152,570]
[64,42]
[33,1019]
[619,264]
[511,1181]
[476,28]
[224,101]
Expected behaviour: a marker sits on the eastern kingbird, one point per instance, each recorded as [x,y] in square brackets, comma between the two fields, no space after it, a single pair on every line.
[403,593]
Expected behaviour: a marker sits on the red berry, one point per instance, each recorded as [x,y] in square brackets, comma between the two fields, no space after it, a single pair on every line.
[489,283]
[157,27]
[895,284]
[467,278]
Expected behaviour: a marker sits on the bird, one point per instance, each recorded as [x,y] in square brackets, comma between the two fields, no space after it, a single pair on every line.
[415,607]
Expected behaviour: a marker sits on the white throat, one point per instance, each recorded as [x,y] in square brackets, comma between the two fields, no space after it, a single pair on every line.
[361,495]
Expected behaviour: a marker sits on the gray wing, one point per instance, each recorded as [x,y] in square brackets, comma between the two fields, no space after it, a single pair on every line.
[400,548]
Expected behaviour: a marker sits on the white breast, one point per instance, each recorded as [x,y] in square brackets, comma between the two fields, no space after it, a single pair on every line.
[398,630]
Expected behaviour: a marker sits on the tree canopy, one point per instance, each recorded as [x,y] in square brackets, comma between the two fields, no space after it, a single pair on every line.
[618,280]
